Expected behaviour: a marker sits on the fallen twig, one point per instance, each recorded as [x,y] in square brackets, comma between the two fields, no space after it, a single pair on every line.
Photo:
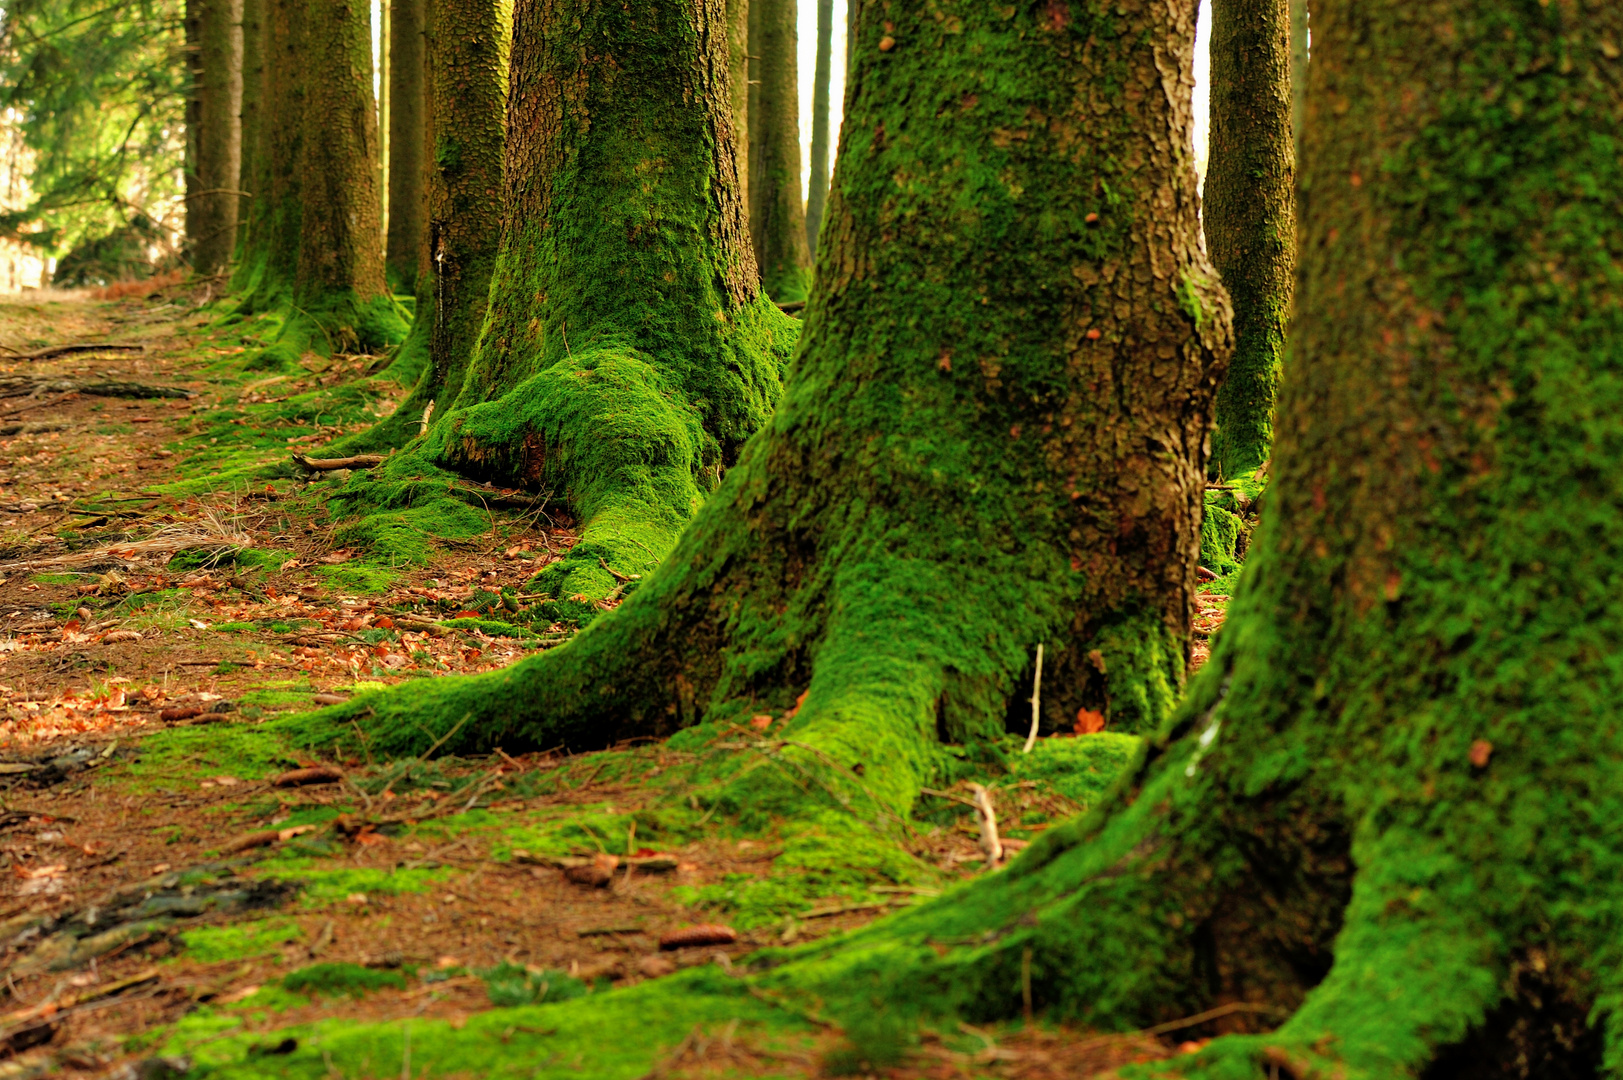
[358,461]
[54,351]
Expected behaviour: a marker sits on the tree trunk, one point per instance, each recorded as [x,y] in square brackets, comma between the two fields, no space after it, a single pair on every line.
[212,208]
[192,33]
[738,73]
[408,201]
[1299,23]
[1250,216]
[821,73]
[270,256]
[467,42]
[994,436]
[252,175]
[1389,805]
[777,216]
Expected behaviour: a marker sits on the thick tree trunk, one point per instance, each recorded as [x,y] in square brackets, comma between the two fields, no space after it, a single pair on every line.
[777,216]
[212,208]
[999,406]
[252,174]
[1299,23]
[192,34]
[270,256]
[1390,804]
[738,73]
[821,75]
[1250,216]
[408,90]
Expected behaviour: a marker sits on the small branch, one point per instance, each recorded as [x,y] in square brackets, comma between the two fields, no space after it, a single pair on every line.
[991,846]
[789,307]
[359,461]
[422,425]
[1036,698]
[621,578]
[66,350]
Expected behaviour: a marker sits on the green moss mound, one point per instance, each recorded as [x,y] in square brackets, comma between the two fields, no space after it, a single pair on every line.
[330,980]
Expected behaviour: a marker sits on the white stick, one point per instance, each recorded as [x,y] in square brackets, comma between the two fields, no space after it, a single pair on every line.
[1036,697]
[991,846]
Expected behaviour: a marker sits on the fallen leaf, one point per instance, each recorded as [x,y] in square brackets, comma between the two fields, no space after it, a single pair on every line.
[1089,722]
[1481,751]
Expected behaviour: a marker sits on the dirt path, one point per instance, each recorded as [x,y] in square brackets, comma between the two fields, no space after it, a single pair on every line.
[163,594]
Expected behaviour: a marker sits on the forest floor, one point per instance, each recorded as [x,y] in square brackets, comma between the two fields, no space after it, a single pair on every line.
[183,889]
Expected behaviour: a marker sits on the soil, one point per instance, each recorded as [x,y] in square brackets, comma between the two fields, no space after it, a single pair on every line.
[123,613]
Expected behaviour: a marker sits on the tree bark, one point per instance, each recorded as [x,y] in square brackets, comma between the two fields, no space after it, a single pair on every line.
[1000,405]
[192,34]
[738,74]
[252,174]
[1250,216]
[777,215]
[821,75]
[1299,24]
[271,249]
[212,207]
[408,200]
[1388,806]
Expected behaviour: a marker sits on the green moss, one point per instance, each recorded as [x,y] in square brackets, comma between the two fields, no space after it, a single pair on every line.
[60,579]
[238,941]
[1082,769]
[510,985]
[249,753]
[1221,535]
[330,980]
[234,628]
[359,579]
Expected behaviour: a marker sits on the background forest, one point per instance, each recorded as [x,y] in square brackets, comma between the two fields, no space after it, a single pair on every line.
[917,538]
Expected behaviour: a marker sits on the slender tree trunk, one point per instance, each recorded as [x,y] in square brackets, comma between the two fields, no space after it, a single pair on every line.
[992,410]
[777,215]
[1299,24]
[212,208]
[1389,804]
[738,73]
[192,31]
[252,175]
[1250,216]
[821,74]
[408,91]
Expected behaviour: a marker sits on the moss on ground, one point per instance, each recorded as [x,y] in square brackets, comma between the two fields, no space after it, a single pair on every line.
[351,980]
[238,941]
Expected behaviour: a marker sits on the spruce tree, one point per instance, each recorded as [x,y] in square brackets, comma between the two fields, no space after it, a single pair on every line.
[251,173]
[777,215]
[738,72]
[993,438]
[211,218]
[408,92]
[821,75]
[1250,217]
[1386,813]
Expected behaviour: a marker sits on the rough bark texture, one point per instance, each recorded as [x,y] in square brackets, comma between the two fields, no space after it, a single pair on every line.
[1250,216]
[408,90]
[270,255]
[192,34]
[777,215]
[738,74]
[1390,802]
[994,436]
[212,209]
[821,75]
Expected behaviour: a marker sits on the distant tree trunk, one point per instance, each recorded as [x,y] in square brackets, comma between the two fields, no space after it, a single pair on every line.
[1250,216]
[738,72]
[252,175]
[1299,28]
[408,203]
[467,42]
[777,216]
[818,195]
[212,208]
[192,32]
[339,301]
[999,406]
[270,257]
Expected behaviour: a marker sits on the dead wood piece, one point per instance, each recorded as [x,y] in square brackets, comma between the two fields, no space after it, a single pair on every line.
[597,873]
[32,427]
[54,351]
[133,390]
[205,718]
[406,622]
[846,909]
[319,774]
[183,712]
[704,934]
[359,461]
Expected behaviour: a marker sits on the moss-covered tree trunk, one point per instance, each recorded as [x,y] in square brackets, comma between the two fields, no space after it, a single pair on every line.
[821,75]
[212,209]
[322,249]
[627,351]
[467,43]
[408,91]
[993,438]
[270,257]
[1388,810]
[1250,216]
[777,215]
